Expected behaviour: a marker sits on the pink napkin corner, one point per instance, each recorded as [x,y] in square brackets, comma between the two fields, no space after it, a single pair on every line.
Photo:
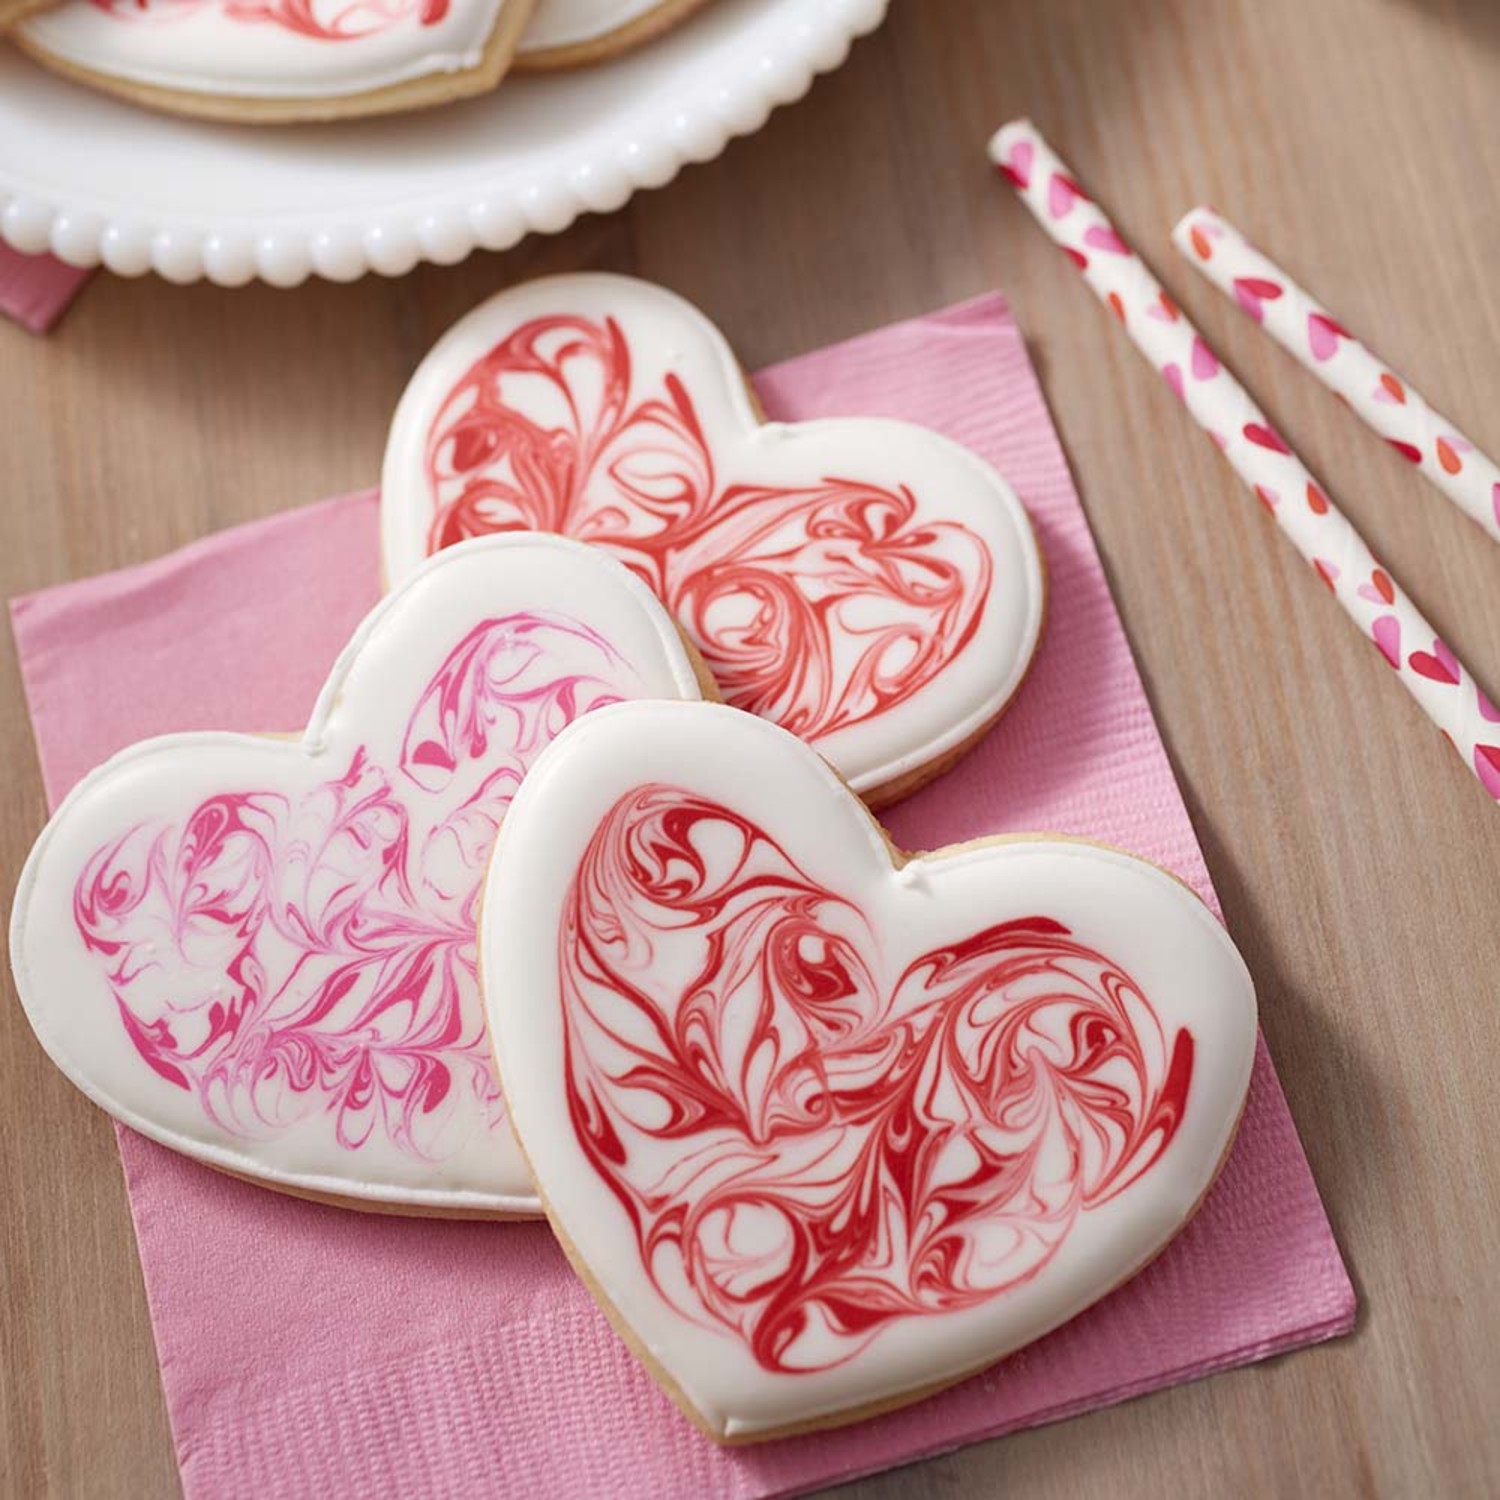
[306,1350]
[35,290]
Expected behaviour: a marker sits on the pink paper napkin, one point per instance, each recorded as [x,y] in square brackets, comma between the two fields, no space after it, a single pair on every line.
[307,1351]
[36,289]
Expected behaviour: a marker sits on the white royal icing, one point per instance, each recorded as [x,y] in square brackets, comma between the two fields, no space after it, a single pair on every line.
[868,584]
[825,1132]
[268,49]
[260,951]
[571,23]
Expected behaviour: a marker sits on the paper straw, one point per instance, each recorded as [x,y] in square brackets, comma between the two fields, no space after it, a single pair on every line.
[1257,452]
[1307,330]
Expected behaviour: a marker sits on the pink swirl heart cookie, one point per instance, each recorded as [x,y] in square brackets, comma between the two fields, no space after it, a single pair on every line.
[280,60]
[824,1127]
[260,951]
[869,585]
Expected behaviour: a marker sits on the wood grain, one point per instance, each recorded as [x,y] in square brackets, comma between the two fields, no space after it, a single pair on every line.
[1359,142]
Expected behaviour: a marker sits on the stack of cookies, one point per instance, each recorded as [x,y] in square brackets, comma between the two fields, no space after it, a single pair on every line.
[570,898]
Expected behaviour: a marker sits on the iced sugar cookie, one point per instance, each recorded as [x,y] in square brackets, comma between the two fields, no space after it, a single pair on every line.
[867,584]
[574,33]
[280,60]
[260,951]
[824,1127]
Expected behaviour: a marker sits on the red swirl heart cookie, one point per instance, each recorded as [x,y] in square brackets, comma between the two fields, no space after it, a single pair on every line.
[824,1129]
[866,584]
[260,951]
[280,60]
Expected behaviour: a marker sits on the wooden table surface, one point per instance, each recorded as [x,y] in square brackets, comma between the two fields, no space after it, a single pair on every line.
[1358,863]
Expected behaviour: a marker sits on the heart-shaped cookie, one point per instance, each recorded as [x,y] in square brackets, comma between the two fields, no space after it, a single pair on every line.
[866,584]
[823,1128]
[260,951]
[280,60]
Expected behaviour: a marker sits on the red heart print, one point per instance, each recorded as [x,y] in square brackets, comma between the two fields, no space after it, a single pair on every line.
[1379,589]
[1252,291]
[1323,335]
[1327,571]
[1267,497]
[1438,665]
[1078,258]
[1317,501]
[1448,457]
[1390,389]
[1387,635]
[1200,243]
[1265,437]
[1117,305]
[1407,451]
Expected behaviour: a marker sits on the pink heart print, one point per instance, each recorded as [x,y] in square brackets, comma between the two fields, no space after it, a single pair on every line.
[1387,633]
[1487,766]
[1062,194]
[1102,237]
[1487,757]
[1017,166]
[1323,335]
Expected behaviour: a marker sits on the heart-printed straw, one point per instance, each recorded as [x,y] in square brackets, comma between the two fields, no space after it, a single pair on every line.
[1308,331]
[1259,455]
